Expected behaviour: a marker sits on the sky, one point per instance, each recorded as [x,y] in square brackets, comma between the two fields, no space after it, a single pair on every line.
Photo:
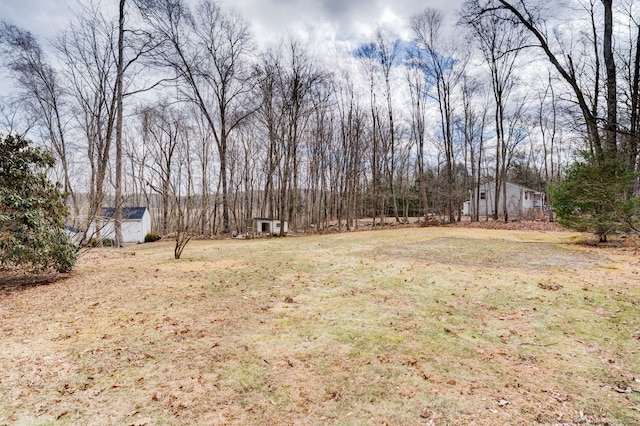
[330,29]
[341,19]
[315,21]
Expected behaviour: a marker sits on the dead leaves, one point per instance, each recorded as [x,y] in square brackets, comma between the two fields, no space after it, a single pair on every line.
[450,332]
[416,365]
[624,387]
[340,334]
[501,403]
[552,287]
[335,395]
[525,225]
[66,389]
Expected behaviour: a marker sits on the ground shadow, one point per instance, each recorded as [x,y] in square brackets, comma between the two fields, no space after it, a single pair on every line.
[12,281]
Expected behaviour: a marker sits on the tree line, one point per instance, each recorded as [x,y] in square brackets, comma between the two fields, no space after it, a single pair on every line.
[174,106]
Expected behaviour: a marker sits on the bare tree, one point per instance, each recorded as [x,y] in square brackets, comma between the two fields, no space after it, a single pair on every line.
[444,63]
[43,92]
[611,126]
[87,47]
[289,84]
[418,88]
[529,17]
[550,133]
[500,42]
[473,129]
[323,169]
[186,209]
[370,62]
[269,119]
[249,154]
[350,150]
[629,54]
[298,84]
[388,55]
[163,129]
[93,52]
[117,215]
[208,51]
[206,157]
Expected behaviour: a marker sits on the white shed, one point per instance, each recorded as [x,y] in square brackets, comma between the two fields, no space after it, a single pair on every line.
[269,226]
[136,224]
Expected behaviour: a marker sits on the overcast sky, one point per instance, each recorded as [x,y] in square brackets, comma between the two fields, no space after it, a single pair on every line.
[315,20]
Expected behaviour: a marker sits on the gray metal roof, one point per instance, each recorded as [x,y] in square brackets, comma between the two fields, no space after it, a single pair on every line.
[128,213]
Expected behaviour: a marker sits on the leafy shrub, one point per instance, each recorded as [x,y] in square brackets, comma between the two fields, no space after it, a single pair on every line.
[151,237]
[597,196]
[32,210]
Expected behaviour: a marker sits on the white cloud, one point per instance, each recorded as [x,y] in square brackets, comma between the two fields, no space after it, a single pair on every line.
[347,19]
[270,20]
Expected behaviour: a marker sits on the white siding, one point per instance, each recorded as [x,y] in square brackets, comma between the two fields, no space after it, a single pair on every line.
[146,224]
[133,231]
[272,227]
[519,200]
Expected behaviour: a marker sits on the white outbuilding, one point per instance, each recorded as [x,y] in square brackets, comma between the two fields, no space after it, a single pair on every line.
[263,226]
[135,224]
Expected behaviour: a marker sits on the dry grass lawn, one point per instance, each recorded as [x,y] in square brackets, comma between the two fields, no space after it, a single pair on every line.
[418,326]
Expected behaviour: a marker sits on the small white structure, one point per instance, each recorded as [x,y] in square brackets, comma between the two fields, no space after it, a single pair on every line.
[520,200]
[263,226]
[135,224]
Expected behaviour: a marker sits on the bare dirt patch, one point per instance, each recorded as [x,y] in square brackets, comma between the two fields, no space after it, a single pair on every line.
[406,327]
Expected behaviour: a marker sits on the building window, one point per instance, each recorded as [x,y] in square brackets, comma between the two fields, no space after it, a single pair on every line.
[483,195]
[526,195]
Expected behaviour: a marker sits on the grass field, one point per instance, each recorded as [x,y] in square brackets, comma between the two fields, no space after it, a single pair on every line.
[418,326]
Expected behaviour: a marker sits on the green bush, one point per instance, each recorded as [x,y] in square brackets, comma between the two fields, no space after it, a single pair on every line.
[151,237]
[32,210]
[597,196]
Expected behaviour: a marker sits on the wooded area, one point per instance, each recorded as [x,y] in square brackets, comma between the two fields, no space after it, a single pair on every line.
[177,108]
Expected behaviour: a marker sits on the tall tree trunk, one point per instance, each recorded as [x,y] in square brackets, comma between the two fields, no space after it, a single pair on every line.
[631,147]
[118,196]
[610,145]
[223,179]
[498,175]
[392,134]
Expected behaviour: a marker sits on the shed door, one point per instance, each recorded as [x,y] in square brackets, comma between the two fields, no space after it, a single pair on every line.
[265,227]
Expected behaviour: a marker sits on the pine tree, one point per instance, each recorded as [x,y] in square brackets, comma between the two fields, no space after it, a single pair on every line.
[597,196]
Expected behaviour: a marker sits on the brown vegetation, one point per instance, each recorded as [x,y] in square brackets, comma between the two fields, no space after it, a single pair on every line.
[413,326]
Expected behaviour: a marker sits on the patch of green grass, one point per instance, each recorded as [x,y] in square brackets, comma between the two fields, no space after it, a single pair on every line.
[244,377]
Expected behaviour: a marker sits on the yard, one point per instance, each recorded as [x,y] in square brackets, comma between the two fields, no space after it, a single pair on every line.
[416,326]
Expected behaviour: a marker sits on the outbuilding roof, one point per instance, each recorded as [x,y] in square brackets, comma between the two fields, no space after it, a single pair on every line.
[492,183]
[128,213]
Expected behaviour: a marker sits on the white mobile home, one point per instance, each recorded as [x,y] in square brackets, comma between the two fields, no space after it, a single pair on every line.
[520,200]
